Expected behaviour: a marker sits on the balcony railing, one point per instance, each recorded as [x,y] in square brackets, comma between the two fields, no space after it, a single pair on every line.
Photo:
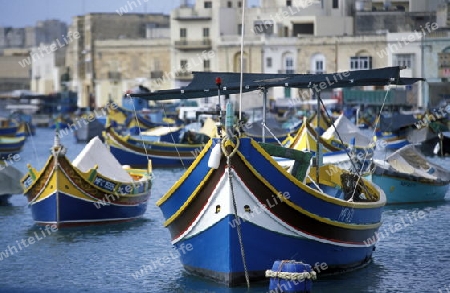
[186,44]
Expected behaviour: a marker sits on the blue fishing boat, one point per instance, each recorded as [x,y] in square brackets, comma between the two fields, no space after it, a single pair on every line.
[8,127]
[11,146]
[407,176]
[135,152]
[240,210]
[93,189]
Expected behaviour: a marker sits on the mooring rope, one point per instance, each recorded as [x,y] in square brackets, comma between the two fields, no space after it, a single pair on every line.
[238,226]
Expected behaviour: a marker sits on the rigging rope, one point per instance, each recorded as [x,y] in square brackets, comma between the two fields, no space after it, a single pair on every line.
[139,127]
[238,226]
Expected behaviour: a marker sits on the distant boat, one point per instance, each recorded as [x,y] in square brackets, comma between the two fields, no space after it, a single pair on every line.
[276,134]
[84,132]
[135,152]
[345,134]
[8,127]
[10,146]
[306,140]
[92,189]
[407,176]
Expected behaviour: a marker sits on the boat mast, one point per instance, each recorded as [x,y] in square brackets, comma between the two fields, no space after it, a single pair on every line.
[264,115]
[317,95]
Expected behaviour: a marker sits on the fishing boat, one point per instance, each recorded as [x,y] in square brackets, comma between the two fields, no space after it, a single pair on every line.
[393,130]
[135,152]
[274,133]
[407,176]
[93,189]
[8,127]
[87,130]
[344,134]
[240,210]
[306,139]
[11,146]
[133,122]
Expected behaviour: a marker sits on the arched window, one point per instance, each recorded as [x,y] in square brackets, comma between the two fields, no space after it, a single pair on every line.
[237,62]
[362,60]
[288,63]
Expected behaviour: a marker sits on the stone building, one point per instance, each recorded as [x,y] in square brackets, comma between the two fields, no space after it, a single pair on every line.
[13,76]
[124,64]
[81,53]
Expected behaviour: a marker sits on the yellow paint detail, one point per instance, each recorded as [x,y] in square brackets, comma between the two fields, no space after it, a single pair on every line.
[277,192]
[189,200]
[59,181]
[185,175]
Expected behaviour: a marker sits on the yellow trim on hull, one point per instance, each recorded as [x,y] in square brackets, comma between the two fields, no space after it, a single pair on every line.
[185,175]
[268,185]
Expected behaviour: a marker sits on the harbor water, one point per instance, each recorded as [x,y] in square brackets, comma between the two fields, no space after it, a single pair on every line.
[413,254]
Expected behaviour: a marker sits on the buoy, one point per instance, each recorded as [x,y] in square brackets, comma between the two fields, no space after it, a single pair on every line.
[214,158]
[290,276]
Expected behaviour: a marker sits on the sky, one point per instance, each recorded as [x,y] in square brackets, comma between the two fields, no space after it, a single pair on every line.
[22,13]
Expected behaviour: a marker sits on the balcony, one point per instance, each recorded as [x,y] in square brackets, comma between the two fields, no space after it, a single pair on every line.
[114,75]
[190,14]
[193,45]
[184,75]
[156,74]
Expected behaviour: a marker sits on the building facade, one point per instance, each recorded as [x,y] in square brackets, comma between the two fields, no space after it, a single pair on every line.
[81,54]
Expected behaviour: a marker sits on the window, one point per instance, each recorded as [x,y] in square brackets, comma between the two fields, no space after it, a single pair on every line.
[183,33]
[335,4]
[360,62]
[207,4]
[288,2]
[319,67]
[403,60]
[230,4]
[183,64]
[263,27]
[206,65]
[269,62]
[239,28]
[206,32]
[289,65]
[240,4]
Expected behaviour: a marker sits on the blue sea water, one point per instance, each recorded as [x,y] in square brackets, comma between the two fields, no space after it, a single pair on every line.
[413,255]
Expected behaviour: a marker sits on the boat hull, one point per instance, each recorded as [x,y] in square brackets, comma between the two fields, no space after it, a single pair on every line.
[279,217]
[64,209]
[401,190]
[62,195]
[129,151]
[137,159]
[216,253]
